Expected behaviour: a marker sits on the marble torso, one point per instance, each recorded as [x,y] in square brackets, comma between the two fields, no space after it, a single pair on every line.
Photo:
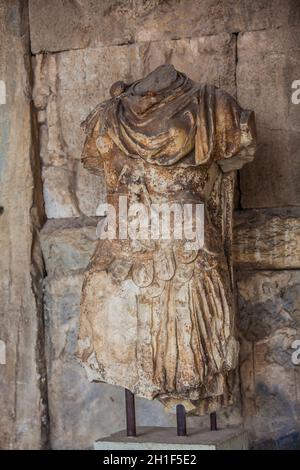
[156,318]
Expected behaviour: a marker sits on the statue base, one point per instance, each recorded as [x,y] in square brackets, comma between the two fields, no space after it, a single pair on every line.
[157,438]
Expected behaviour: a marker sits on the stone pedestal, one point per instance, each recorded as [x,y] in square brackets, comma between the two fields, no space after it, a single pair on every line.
[157,438]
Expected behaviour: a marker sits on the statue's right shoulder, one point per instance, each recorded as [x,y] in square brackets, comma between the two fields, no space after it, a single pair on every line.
[90,157]
[94,118]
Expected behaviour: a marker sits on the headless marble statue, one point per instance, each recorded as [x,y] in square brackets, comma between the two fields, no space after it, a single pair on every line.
[156,318]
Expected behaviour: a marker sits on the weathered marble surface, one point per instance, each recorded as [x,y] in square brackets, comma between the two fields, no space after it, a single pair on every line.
[60,25]
[79,411]
[157,319]
[23,403]
[269,322]
[268,63]
[86,411]
[267,239]
[67,86]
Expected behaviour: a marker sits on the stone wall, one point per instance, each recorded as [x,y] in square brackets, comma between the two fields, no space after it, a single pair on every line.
[23,404]
[266,252]
[79,48]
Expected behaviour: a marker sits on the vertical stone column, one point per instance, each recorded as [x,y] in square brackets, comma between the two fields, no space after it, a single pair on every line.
[23,404]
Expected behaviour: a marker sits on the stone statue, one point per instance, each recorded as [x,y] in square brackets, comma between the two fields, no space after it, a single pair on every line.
[156,317]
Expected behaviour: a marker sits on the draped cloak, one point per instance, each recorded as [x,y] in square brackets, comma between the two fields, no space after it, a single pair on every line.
[157,320]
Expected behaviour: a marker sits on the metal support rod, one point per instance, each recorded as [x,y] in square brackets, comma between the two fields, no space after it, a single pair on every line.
[213,421]
[130,413]
[181,420]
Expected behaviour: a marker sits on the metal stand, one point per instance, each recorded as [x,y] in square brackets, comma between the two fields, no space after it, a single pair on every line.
[130,413]
[213,421]
[181,420]
[180,415]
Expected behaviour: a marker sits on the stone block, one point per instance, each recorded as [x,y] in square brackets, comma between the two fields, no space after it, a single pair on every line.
[156,438]
[59,198]
[267,239]
[23,404]
[268,63]
[268,324]
[57,25]
[68,245]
